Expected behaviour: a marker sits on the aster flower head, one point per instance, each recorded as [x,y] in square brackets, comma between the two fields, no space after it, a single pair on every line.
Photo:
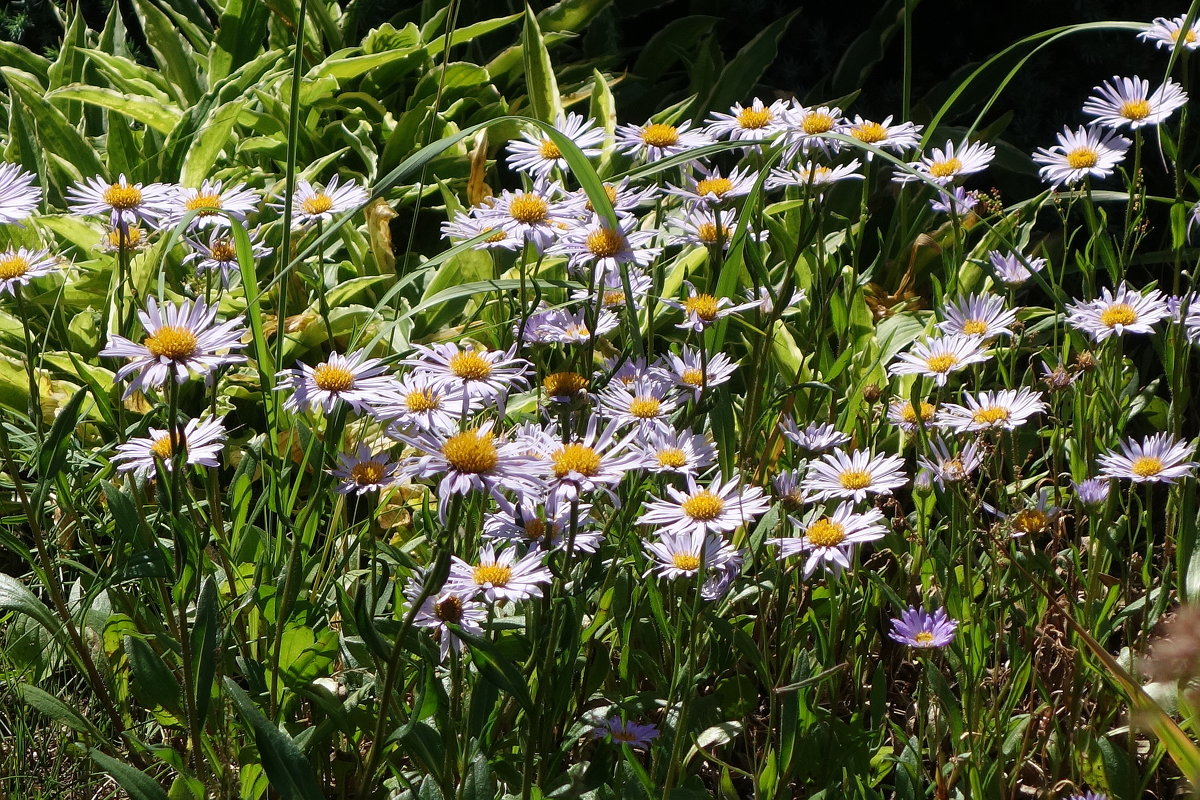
[181,340]
[766,298]
[751,123]
[605,248]
[706,186]
[538,524]
[789,490]
[1092,491]
[1118,313]
[816,437]
[657,140]
[908,418]
[1034,518]
[1004,409]
[485,374]
[1158,458]
[565,327]
[203,440]
[1014,269]
[955,201]
[312,204]
[610,289]
[124,203]
[466,225]
[701,309]
[19,195]
[884,135]
[214,203]
[854,475]
[617,731]
[830,538]
[596,461]
[938,358]
[812,175]
[683,554]
[1171,33]
[1081,153]
[443,609]
[916,627]
[625,196]
[983,315]
[355,379]
[684,452]
[131,239]
[1089,796]
[946,466]
[945,165]
[537,155]
[18,267]
[219,254]
[646,403]
[364,471]
[691,373]
[499,577]
[1128,101]
[418,401]
[806,126]
[718,508]
[703,226]
[538,216]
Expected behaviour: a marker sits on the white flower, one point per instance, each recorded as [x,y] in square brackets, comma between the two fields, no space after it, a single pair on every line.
[947,467]
[539,215]
[18,194]
[595,461]
[751,123]
[646,403]
[902,414]
[18,267]
[418,400]
[1170,33]
[311,203]
[209,201]
[202,439]
[944,166]
[499,576]
[364,471]
[710,188]
[1128,101]
[1014,269]
[679,555]
[815,437]
[1080,153]
[805,126]
[443,609]
[831,538]
[665,450]
[605,248]
[657,140]
[123,202]
[982,315]
[354,379]
[1160,458]
[1006,409]
[884,135]
[1126,311]
[534,153]
[701,309]
[937,358]
[485,374]
[812,174]
[854,475]
[691,374]
[721,507]
[539,525]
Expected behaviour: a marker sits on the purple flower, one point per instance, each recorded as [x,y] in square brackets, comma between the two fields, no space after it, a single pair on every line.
[918,628]
[633,734]
[1093,491]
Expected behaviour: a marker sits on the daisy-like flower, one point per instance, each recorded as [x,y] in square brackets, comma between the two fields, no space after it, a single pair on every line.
[657,140]
[132,239]
[685,452]
[564,327]
[1033,519]
[854,475]
[703,226]
[947,467]
[645,403]
[466,225]
[1092,491]
[1081,153]
[1170,33]
[444,609]
[811,175]
[708,187]
[18,267]
[625,198]
[537,525]
[682,555]
[485,374]
[364,471]
[214,204]
[354,379]
[956,201]
[1128,101]
[180,340]
[789,489]
[902,414]
[721,507]
[751,123]
[122,202]
[766,299]
[701,309]
[1004,409]
[831,538]
[1115,314]
[421,402]
[596,461]
[1159,458]
[937,358]
[946,165]
[884,135]
[1013,269]
[627,370]
[617,731]
[565,388]
[470,461]
[981,315]
[536,155]
[312,204]
[219,254]
[500,577]
[605,248]
[918,628]
[805,126]
[1089,795]
[18,194]
[815,437]
[538,216]
[691,374]
[202,438]
[611,288]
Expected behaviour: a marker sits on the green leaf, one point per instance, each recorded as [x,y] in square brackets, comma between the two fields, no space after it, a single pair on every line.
[570,15]
[207,145]
[138,784]
[53,454]
[204,646]
[287,769]
[344,67]
[173,54]
[150,112]
[741,74]
[153,682]
[57,710]
[14,596]
[544,100]
[497,669]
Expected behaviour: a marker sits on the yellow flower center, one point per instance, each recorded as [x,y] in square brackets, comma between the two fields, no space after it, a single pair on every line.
[614,298]
[162,447]
[575,458]
[611,191]
[709,233]
[909,414]
[659,135]
[671,457]
[644,407]
[703,306]
[367,473]
[686,561]
[946,167]
[942,363]
[855,479]
[1190,36]
[122,197]
[825,533]
[498,236]
[564,383]
[470,366]
[528,208]
[923,639]
[704,506]
[449,609]
[13,266]
[1030,520]
[206,204]
[605,242]
[319,203]
[975,327]
[1146,466]
[869,132]
[991,415]
[1118,314]
[535,529]
[717,186]
[549,150]
[332,378]
[1135,109]
[471,451]
[1082,158]
[577,332]
[172,342]
[494,574]
[693,377]
[752,119]
[132,236]
[816,122]
[419,400]
[223,250]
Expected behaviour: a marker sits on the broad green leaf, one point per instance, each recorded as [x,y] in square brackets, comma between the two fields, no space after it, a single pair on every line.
[154,683]
[544,101]
[56,709]
[150,112]
[138,784]
[286,767]
[215,134]
[741,74]
[175,57]
[570,15]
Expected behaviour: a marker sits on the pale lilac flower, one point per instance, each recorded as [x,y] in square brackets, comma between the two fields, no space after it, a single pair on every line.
[219,254]
[617,731]
[948,467]
[902,414]
[691,374]
[18,267]
[983,315]
[815,437]
[946,165]
[1170,33]
[718,508]
[537,155]
[751,123]
[313,204]
[1128,101]
[485,374]
[543,525]
[466,225]
[500,577]
[596,461]
[657,140]
[685,452]
[203,440]
[1004,409]
[1081,153]
[918,628]
[680,555]
[539,215]
[604,248]
[364,471]
[956,201]
[854,475]
[214,204]
[122,202]
[884,135]
[443,609]
[806,126]
[701,309]
[1115,314]
[1014,269]
[812,175]
[1159,458]
[1092,491]
[420,401]
[19,196]
[831,538]
[766,300]
[646,403]
[708,187]
[355,379]
[937,358]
